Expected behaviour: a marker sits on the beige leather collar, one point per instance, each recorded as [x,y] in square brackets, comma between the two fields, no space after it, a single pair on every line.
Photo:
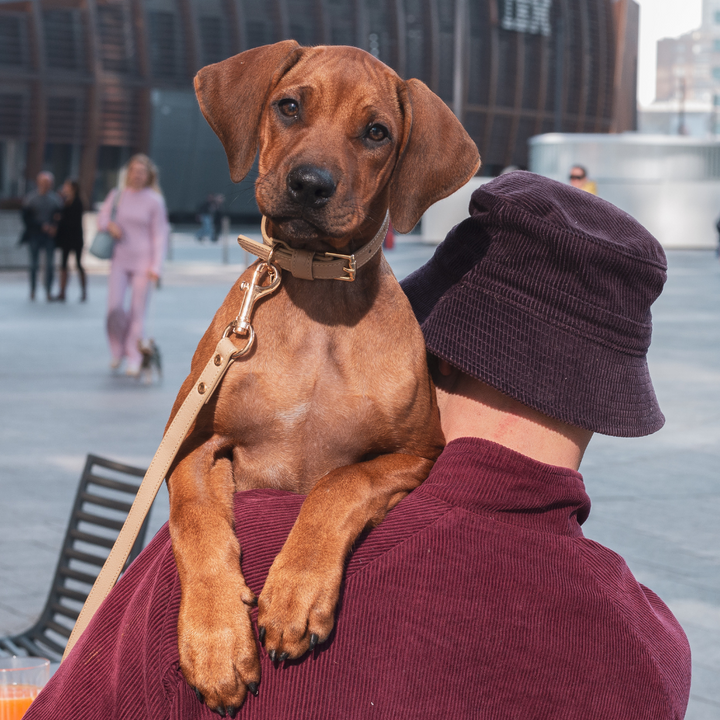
[309,265]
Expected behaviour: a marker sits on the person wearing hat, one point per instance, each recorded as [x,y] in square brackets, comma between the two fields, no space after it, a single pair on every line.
[478,596]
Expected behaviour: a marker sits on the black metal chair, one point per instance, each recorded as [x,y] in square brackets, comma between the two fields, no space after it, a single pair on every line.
[103,500]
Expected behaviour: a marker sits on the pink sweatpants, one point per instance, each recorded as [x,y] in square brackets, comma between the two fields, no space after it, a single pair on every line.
[125,327]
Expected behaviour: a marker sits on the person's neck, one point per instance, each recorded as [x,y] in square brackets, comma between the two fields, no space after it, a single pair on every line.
[470,408]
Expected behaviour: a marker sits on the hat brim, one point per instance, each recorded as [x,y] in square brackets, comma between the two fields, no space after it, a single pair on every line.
[545,366]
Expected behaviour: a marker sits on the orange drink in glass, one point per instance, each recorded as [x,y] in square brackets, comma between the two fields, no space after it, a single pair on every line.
[21,679]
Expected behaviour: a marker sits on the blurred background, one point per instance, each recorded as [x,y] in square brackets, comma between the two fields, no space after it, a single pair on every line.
[84,84]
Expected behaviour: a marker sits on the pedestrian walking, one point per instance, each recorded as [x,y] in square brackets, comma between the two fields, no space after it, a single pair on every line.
[140,230]
[205,216]
[69,236]
[39,210]
[217,216]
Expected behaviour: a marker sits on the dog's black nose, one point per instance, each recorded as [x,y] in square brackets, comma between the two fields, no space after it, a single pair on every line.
[310,186]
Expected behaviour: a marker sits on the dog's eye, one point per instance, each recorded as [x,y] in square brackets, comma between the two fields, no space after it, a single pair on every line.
[289,107]
[377,132]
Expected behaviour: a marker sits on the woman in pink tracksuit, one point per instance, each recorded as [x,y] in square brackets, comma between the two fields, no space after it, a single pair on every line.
[140,229]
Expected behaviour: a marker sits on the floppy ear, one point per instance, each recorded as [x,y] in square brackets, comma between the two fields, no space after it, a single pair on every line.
[436,157]
[232,96]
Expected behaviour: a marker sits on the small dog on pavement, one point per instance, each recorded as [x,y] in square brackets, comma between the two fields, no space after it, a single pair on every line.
[151,363]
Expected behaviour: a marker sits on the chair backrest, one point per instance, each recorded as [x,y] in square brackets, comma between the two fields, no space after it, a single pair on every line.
[104,497]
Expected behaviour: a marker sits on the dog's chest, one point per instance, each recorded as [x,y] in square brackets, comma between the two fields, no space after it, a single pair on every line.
[314,399]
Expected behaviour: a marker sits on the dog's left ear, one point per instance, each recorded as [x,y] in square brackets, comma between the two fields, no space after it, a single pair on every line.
[437,156]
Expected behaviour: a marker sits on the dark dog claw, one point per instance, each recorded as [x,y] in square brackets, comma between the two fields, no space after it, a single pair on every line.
[232,711]
[283,657]
[313,640]
[261,635]
[220,711]
[198,695]
[271,654]
[253,688]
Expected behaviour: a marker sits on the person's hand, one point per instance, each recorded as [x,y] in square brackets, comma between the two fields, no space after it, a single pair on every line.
[114,230]
[154,277]
[49,229]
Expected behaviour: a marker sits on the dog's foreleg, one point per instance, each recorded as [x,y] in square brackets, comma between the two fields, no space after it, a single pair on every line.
[297,604]
[218,654]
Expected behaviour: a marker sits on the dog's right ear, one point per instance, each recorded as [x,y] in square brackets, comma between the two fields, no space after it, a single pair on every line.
[232,95]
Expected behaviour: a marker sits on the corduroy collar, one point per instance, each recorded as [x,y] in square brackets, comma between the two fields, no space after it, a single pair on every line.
[490,479]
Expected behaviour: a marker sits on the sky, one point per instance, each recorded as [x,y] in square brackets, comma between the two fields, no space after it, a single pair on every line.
[660,19]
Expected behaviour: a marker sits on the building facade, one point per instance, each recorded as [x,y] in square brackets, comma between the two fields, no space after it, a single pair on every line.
[688,66]
[85,83]
[687,85]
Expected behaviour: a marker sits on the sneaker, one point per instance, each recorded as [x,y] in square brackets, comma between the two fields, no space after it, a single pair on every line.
[133,371]
[115,364]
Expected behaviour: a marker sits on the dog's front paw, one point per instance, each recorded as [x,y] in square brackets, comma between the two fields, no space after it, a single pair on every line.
[218,653]
[296,609]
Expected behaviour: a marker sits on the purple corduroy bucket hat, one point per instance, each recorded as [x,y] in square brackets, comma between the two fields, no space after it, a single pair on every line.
[544,293]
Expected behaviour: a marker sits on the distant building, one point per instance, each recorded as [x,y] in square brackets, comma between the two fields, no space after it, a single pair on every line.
[85,83]
[684,68]
[687,85]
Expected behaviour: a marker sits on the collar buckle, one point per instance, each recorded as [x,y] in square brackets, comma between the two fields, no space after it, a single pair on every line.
[351,270]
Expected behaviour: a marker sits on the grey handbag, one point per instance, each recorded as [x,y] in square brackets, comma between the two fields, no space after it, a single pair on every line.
[103,242]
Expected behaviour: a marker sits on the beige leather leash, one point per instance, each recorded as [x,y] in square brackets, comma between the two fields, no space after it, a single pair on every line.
[276,255]
[310,265]
[224,355]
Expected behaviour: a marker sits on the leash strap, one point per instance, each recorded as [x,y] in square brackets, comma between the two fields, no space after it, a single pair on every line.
[202,391]
[309,265]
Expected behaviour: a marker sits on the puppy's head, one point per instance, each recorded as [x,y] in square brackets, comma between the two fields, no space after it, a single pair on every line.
[341,136]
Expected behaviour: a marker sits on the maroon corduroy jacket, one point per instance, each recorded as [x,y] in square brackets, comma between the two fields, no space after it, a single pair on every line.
[477,597]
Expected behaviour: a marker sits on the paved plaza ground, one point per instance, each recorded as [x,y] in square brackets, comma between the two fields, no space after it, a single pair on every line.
[656,500]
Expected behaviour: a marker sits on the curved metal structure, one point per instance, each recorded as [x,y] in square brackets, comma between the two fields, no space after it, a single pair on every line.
[77,76]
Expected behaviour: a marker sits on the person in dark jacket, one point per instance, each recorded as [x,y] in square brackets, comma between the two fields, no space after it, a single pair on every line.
[69,236]
[39,209]
[478,597]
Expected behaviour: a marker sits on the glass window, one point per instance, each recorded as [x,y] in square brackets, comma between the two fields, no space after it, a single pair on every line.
[13,115]
[213,40]
[62,39]
[13,39]
[260,23]
[116,48]
[340,16]
[162,37]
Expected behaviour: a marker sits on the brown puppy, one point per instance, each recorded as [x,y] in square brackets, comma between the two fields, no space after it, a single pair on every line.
[334,400]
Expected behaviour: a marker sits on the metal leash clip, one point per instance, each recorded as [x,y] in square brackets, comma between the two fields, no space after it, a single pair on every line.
[254,290]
